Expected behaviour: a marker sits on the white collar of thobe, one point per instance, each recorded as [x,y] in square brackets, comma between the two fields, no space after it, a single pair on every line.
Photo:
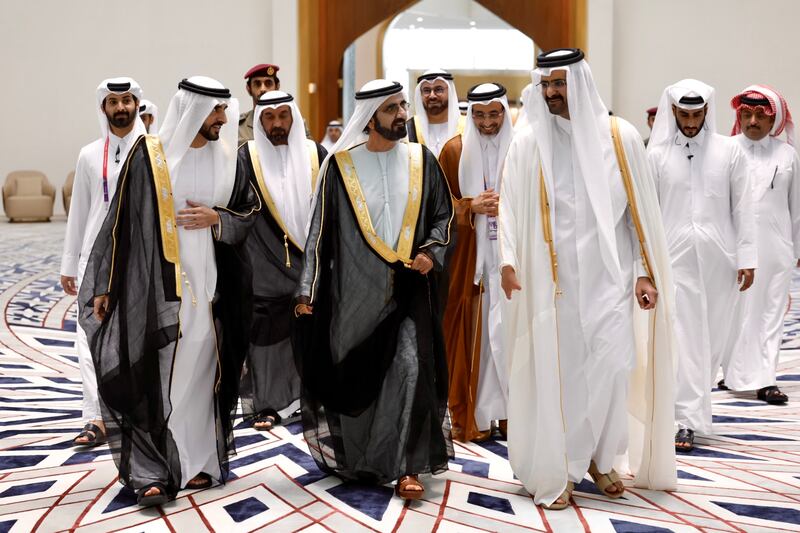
[564,124]
[763,143]
[697,140]
[487,140]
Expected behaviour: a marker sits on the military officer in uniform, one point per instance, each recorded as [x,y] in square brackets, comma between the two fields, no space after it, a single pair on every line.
[261,79]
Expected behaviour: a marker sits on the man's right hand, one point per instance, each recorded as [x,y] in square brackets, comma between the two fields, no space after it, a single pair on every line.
[485,203]
[509,281]
[69,284]
[302,309]
[100,306]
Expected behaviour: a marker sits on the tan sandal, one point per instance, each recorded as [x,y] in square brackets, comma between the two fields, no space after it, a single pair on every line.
[604,481]
[402,490]
[565,498]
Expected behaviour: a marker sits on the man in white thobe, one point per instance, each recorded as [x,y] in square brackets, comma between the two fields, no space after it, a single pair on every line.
[332,133]
[472,163]
[437,117]
[148,112]
[761,116]
[580,237]
[95,183]
[707,208]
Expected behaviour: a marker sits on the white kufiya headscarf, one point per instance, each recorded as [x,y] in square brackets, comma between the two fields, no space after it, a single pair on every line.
[118,86]
[523,119]
[687,94]
[293,199]
[146,107]
[591,140]
[327,142]
[189,108]
[471,179]
[453,113]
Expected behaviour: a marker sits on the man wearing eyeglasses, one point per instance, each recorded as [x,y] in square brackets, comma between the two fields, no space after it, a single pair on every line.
[478,369]
[581,244]
[437,116]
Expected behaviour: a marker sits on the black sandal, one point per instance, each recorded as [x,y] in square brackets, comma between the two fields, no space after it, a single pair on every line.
[154,499]
[203,483]
[721,385]
[269,417]
[94,435]
[682,437]
[772,395]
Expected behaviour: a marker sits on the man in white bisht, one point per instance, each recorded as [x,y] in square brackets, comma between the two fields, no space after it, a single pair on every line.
[172,297]
[707,209]
[437,117]
[581,240]
[148,112]
[761,116]
[99,163]
[472,163]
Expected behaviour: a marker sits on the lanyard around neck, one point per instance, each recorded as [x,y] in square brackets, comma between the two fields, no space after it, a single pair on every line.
[105,172]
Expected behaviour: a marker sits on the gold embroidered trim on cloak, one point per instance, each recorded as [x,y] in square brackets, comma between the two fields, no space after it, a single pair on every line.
[352,185]
[262,186]
[166,207]
[622,161]
[547,229]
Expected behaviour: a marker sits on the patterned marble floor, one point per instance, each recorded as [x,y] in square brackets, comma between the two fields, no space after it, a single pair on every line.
[745,478]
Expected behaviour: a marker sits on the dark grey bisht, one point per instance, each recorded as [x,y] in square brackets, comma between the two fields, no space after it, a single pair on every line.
[270,382]
[372,356]
[133,348]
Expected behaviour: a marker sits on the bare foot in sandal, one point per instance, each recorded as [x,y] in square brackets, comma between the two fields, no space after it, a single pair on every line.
[409,488]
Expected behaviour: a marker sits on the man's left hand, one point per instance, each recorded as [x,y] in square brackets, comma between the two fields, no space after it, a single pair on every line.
[197,216]
[422,263]
[646,293]
[745,278]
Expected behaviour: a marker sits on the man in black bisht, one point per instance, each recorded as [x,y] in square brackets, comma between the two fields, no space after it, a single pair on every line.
[283,166]
[169,298]
[368,335]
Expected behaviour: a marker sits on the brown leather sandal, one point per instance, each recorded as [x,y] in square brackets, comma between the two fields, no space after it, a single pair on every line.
[402,490]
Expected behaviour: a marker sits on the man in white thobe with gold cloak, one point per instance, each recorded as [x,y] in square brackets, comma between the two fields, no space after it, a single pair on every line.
[580,237]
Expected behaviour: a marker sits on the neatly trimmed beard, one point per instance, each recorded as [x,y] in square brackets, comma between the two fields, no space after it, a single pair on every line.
[206,132]
[435,108]
[692,134]
[278,136]
[394,133]
[122,119]
[556,105]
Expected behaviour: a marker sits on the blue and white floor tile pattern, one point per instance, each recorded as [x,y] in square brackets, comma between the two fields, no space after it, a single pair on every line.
[744,478]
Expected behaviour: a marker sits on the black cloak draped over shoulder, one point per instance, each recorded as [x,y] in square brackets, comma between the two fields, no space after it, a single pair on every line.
[371,356]
[270,382]
[133,348]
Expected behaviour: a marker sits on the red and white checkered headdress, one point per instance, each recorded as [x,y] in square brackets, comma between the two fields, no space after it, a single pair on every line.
[755,97]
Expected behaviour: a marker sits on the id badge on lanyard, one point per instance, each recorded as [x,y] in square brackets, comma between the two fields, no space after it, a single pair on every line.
[491,222]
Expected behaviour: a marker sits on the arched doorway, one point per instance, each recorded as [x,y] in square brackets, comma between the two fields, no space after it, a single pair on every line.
[327,28]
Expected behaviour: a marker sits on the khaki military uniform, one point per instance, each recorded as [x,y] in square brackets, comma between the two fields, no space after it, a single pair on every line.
[246,127]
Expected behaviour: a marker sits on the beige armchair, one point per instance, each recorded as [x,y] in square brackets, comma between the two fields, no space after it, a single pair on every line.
[66,191]
[28,196]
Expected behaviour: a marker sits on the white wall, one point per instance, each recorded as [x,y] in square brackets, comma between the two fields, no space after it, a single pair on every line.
[728,44]
[54,54]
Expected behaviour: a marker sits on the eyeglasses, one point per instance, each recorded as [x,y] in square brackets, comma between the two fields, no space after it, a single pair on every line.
[494,115]
[438,91]
[393,109]
[558,84]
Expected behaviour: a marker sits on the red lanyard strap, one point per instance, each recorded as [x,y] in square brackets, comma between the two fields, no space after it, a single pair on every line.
[105,172]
